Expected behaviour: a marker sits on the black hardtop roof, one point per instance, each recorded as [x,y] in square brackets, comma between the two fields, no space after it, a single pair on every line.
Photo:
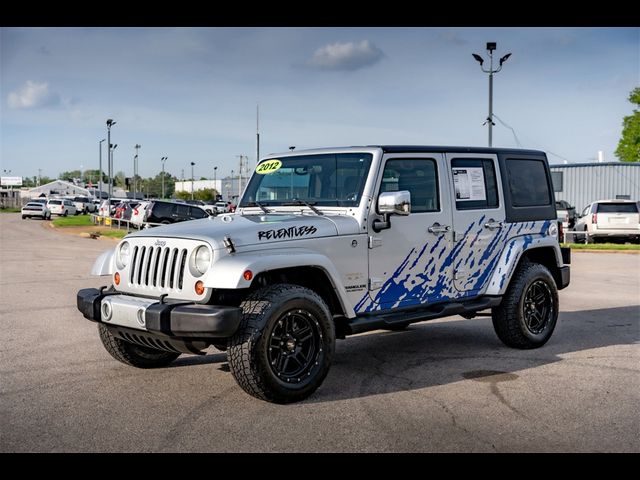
[444,149]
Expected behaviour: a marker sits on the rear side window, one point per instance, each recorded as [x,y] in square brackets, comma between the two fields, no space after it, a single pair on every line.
[528,183]
[617,208]
[474,183]
[197,212]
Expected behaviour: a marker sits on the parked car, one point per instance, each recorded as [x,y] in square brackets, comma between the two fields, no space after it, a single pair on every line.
[36,209]
[124,209]
[210,208]
[222,207]
[609,219]
[108,207]
[62,207]
[83,204]
[170,212]
[571,211]
[138,213]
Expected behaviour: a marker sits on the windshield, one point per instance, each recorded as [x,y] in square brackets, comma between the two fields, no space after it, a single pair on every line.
[324,180]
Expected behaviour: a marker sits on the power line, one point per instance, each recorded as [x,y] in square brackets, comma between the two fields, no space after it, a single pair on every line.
[510,128]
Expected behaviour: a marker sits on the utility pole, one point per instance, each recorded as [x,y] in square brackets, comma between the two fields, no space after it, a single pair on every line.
[100,167]
[164,159]
[110,123]
[215,183]
[257,133]
[192,164]
[135,170]
[40,175]
[491,46]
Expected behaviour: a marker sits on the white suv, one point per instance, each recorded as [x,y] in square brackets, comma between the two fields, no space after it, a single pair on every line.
[61,207]
[333,242]
[609,219]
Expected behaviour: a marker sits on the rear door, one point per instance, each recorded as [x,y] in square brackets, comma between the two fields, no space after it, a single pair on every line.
[478,219]
[617,216]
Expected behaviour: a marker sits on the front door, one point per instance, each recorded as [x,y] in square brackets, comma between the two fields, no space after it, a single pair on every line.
[410,262]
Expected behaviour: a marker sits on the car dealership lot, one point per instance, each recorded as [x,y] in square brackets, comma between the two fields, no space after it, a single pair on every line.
[445,385]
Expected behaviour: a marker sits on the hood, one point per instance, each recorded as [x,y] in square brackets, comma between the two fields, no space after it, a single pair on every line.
[245,230]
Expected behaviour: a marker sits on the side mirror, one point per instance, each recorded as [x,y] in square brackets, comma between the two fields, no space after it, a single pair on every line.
[392,203]
[395,203]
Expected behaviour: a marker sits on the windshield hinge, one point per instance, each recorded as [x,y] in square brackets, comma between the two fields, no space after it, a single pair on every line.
[375,242]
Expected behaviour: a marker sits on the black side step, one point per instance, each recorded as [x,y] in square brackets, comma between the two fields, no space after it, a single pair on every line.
[372,321]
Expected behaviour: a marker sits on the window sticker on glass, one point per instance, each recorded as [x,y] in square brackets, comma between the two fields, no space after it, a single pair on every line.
[469,183]
[269,166]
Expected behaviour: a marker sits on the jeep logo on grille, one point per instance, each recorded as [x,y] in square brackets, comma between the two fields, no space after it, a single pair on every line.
[160,243]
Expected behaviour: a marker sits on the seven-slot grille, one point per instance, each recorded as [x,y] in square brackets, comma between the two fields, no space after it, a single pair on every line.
[159,267]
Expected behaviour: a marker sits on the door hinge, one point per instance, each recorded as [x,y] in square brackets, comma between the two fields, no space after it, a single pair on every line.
[375,283]
[375,242]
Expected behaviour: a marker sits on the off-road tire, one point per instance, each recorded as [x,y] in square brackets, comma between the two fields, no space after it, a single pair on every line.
[264,312]
[134,355]
[24,217]
[510,320]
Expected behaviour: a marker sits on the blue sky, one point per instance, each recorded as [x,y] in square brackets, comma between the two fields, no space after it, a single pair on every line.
[190,93]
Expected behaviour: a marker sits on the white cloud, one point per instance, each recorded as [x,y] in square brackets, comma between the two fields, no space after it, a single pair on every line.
[345,56]
[33,95]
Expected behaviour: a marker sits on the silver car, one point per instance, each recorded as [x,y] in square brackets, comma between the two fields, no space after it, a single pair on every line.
[609,219]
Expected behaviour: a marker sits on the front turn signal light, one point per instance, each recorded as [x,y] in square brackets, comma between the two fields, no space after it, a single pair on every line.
[199,287]
[116,278]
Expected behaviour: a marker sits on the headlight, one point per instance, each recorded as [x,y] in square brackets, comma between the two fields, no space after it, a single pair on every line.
[201,259]
[123,255]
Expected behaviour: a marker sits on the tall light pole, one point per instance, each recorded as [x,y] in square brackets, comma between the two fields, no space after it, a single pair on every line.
[215,184]
[110,123]
[491,46]
[163,159]
[112,179]
[192,164]
[100,167]
[135,170]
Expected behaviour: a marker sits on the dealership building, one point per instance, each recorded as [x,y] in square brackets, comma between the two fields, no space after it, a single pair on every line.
[583,183]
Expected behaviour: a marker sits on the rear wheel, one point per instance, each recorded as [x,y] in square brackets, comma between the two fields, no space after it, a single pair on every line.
[134,355]
[24,216]
[283,348]
[528,313]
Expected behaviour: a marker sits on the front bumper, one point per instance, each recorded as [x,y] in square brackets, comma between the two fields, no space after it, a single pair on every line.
[184,320]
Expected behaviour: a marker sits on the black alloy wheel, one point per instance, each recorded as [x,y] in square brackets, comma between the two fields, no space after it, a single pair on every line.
[537,308]
[295,344]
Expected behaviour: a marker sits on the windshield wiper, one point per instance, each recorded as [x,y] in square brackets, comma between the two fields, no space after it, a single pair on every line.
[297,201]
[256,204]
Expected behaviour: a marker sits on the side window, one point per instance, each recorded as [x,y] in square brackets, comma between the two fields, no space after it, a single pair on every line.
[182,210]
[585,212]
[419,176]
[528,183]
[474,183]
[197,212]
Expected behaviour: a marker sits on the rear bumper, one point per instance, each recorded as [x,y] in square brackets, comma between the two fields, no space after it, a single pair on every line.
[614,233]
[175,320]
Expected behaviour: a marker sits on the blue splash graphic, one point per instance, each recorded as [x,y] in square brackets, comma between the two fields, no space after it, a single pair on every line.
[425,277]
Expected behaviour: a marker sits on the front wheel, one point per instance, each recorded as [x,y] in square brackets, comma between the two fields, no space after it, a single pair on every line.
[528,313]
[283,348]
[134,355]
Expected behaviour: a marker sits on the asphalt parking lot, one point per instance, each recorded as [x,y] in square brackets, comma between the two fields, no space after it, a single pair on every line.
[445,385]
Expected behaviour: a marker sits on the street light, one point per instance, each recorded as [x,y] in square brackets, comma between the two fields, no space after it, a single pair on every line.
[100,167]
[135,169]
[491,46]
[215,183]
[112,179]
[110,123]
[192,164]
[163,159]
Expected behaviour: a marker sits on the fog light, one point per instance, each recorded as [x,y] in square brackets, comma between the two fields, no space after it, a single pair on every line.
[199,287]
[247,275]
[140,316]
[106,311]
[116,278]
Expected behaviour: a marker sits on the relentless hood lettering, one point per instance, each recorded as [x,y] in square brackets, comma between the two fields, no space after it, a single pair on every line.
[290,232]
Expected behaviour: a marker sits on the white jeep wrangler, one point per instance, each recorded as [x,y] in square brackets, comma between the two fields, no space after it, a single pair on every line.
[332,242]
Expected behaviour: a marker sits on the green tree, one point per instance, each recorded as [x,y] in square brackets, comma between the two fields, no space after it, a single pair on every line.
[629,145]
[204,194]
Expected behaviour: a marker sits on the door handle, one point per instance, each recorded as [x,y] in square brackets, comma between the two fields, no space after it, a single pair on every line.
[492,224]
[437,228]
